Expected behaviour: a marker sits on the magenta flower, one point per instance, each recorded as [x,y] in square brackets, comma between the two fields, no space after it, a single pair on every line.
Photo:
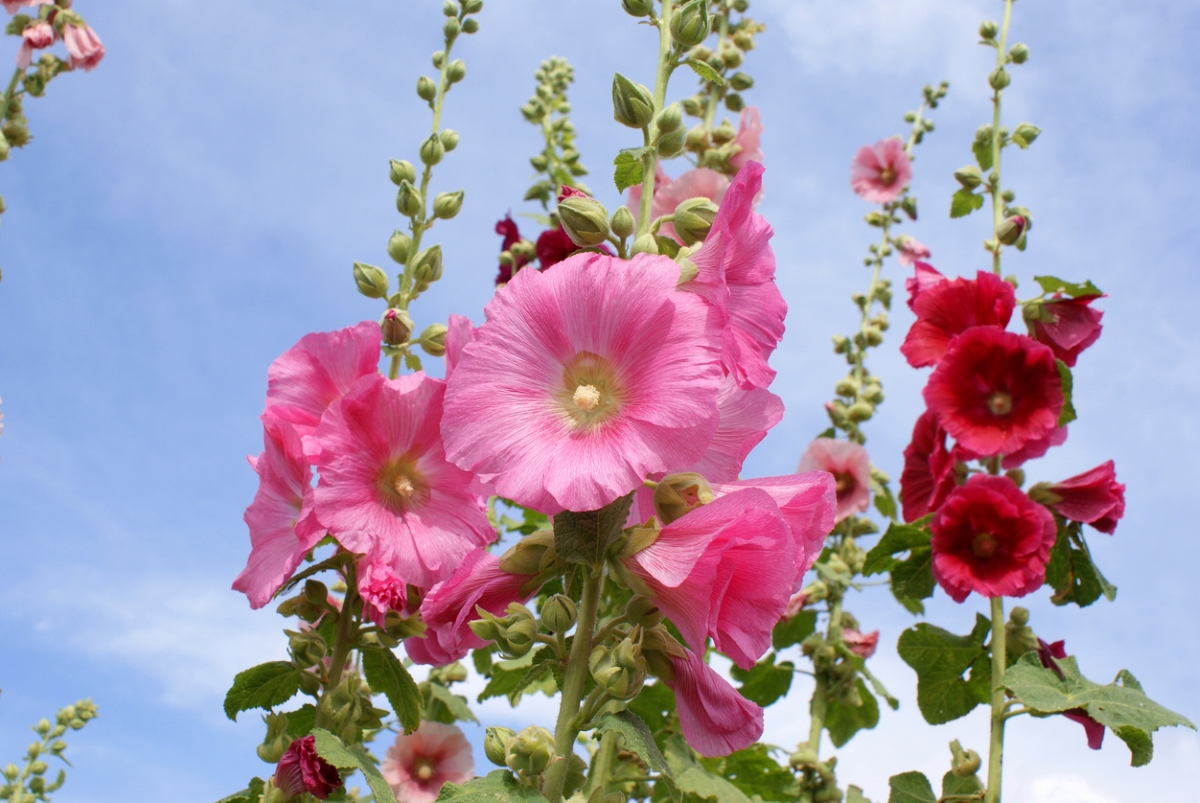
[418,763]
[911,251]
[701,182]
[748,139]
[880,172]
[716,719]
[301,770]
[1093,497]
[282,525]
[924,277]
[583,381]
[929,475]
[386,490]
[35,37]
[950,307]
[1067,326]
[745,418]
[83,46]
[851,469]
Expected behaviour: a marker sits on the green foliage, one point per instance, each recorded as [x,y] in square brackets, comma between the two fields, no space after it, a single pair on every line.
[843,720]
[706,72]
[629,167]
[982,148]
[585,537]
[1024,134]
[1068,385]
[766,682]
[940,658]
[511,679]
[964,202]
[695,781]
[1121,706]
[1072,573]
[300,722]
[454,705]
[855,795]
[386,675]
[251,794]
[667,246]
[955,785]
[637,739]
[912,577]
[531,520]
[654,706]
[898,538]
[498,786]
[352,757]
[264,686]
[759,776]
[1053,284]
[411,361]
[885,502]
[794,630]
[910,787]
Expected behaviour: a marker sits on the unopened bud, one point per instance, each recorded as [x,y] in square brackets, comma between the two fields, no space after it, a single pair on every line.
[584,219]
[402,170]
[969,176]
[396,326]
[671,144]
[633,105]
[999,78]
[427,267]
[621,670]
[447,204]
[451,29]
[1010,230]
[642,612]
[433,339]
[723,133]
[1017,475]
[307,647]
[409,201]
[432,150]
[1019,53]
[622,223]
[470,25]
[450,8]
[372,282]
[697,138]
[860,411]
[693,219]
[529,752]
[731,54]
[529,555]
[988,30]
[473,6]
[734,102]
[645,244]
[449,138]
[495,744]
[690,24]
[638,8]
[559,613]
[740,81]
[456,71]
[426,88]
[398,247]
[679,494]
[669,119]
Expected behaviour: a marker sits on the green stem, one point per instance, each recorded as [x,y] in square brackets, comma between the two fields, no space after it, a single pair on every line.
[574,676]
[997,202]
[8,93]
[394,367]
[344,640]
[996,747]
[820,699]
[604,761]
[917,127]
[714,91]
[650,160]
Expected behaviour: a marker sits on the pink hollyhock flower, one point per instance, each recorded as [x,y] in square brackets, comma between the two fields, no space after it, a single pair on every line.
[83,46]
[949,308]
[851,469]
[381,589]
[317,371]
[924,276]
[1067,326]
[880,172]
[13,6]
[995,391]
[418,763]
[301,770]
[459,332]
[701,182]
[748,138]
[795,605]
[1093,497]
[450,605]
[507,229]
[929,474]
[282,525]
[911,251]
[35,37]
[716,719]
[724,570]
[563,409]
[992,539]
[861,644]
[386,489]
[1035,448]
[1093,729]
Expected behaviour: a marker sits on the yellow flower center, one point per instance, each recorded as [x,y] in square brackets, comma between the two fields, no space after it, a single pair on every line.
[424,770]
[1000,403]
[586,398]
[591,393]
[401,486]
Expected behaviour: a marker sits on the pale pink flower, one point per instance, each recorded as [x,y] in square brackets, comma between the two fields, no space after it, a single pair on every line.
[584,380]
[861,644]
[851,469]
[459,332]
[911,251]
[418,763]
[386,490]
[282,525]
[795,605]
[748,138]
[13,6]
[83,46]
[35,37]
[701,182]
[880,172]
[716,720]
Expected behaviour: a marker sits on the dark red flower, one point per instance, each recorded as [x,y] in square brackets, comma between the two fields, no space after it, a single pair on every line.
[1093,729]
[924,276]
[507,229]
[555,245]
[990,538]
[1066,325]
[1093,497]
[1035,448]
[302,770]
[949,307]
[995,391]
[928,475]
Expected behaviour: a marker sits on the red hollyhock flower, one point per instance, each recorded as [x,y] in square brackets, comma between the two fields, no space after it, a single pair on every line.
[554,245]
[1093,497]
[992,539]
[928,476]
[950,307]
[1034,449]
[507,229]
[1093,729]
[995,391]
[302,770]
[924,276]
[1066,325]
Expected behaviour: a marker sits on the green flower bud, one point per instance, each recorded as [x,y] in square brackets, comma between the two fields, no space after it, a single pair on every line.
[697,138]
[519,638]
[488,628]
[530,555]
[397,326]
[309,683]
[529,752]
[559,613]
[1024,135]
[495,745]
[638,8]
[622,223]
[450,8]
[621,670]
[402,170]
[633,105]
[473,6]
[372,282]
[731,54]
[11,772]
[679,494]
[427,267]
[449,138]
[276,740]
[408,199]
[432,150]
[743,39]
[1017,475]
[450,29]
[1019,53]
[398,247]
[433,339]
[693,219]
[671,144]
[690,24]
[642,612]
[426,88]
[999,78]
[694,106]
[447,204]
[723,133]
[5,149]
[307,647]
[988,30]
[645,244]
[456,71]
[969,176]
[860,411]
[438,59]
[669,118]
[470,25]
[740,81]
[584,219]
[1011,230]
[43,727]
[734,102]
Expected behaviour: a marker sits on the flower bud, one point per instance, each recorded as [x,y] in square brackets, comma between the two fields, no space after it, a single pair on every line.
[638,8]
[731,54]
[372,282]
[998,79]
[633,105]
[495,744]
[1019,53]
[697,138]
[724,133]
[518,639]
[396,326]
[559,613]
[473,6]
[427,267]
[402,170]
[965,763]
[307,648]
[449,138]
[694,105]
[621,670]
[5,148]
[277,740]
[426,88]
[860,411]
[669,119]
[450,8]
[456,71]
[740,81]
[1017,475]
[398,247]
[679,494]
[470,25]
[988,30]
[642,612]
[527,555]
[1010,230]
[309,683]
[433,339]
[432,150]
[969,176]
[451,29]
[529,752]
[584,219]
[693,219]
[622,223]
[447,204]
[690,24]
[671,145]
[408,199]
[438,59]
[734,102]
[645,244]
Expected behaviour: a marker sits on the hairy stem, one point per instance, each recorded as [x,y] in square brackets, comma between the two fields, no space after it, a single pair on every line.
[997,201]
[603,764]
[996,747]
[650,160]
[714,91]
[344,640]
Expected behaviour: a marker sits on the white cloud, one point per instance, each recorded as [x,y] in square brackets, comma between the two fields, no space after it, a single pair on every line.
[1066,789]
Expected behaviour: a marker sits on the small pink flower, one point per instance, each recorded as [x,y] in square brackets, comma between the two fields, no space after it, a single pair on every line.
[1093,497]
[795,605]
[861,644]
[418,763]
[301,770]
[911,251]
[748,138]
[716,719]
[924,277]
[701,182]
[851,469]
[381,589]
[83,46]
[35,37]
[13,6]
[880,172]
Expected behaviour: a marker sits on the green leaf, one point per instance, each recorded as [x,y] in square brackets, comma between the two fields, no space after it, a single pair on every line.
[843,721]
[667,246]
[910,787]
[586,537]
[1053,284]
[794,630]
[855,795]
[251,794]
[639,741]
[511,678]
[885,503]
[756,773]
[454,703]
[983,153]
[1121,705]
[412,362]
[1024,134]
[629,167]
[386,675]
[898,538]
[964,202]
[705,71]
[696,781]
[940,658]
[912,579]
[353,757]
[300,722]
[654,706]
[1072,573]
[1068,409]
[954,785]
[336,561]
[498,786]
[264,686]
[766,682]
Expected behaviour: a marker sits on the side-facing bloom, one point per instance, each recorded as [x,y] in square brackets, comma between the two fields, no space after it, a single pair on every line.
[83,45]
[301,770]
[716,720]
[911,251]
[701,182]
[386,489]
[851,469]
[1047,653]
[748,139]
[418,763]
[449,607]
[282,525]
[928,476]
[880,172]
[992,539]
[861,644]
[1066,325]
[35,37]
[948,308]
[995,391]
[924,276]
[1093,497]
[583,381]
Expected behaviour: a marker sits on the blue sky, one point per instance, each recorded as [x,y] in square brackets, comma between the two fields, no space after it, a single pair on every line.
[192,207]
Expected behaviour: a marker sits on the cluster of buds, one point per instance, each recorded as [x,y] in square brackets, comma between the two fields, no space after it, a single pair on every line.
[528,754]
[922,126]
[349,710]
[30,784]
[514,634]
[549,109]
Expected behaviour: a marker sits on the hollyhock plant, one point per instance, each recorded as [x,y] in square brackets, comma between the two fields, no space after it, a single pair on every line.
[1066,325]
[910,252]
[301,771]
[990,538]
[716,720]
[417,764]
[861,644]
[386,490]
[1093,497]
[745,416]
[563,409]
[701,182]
[929,475]
[851,469]
[748,139]
[880,172]
[1048,654]
[949,308]
[83,45]
[37,36]
[994,391]
[924,276]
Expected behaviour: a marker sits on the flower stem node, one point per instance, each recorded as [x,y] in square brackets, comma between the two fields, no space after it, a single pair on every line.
[559,613]
[372,282]
[622,223]
[447,204]
[402,170]
[397,326]
[638,8]
[584,219]
[633,104]
[398,247]
[690,24]
[432,150]
[679,494]
[529,752]
[495,745]
[433,340]
[693,219]
[409,201]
